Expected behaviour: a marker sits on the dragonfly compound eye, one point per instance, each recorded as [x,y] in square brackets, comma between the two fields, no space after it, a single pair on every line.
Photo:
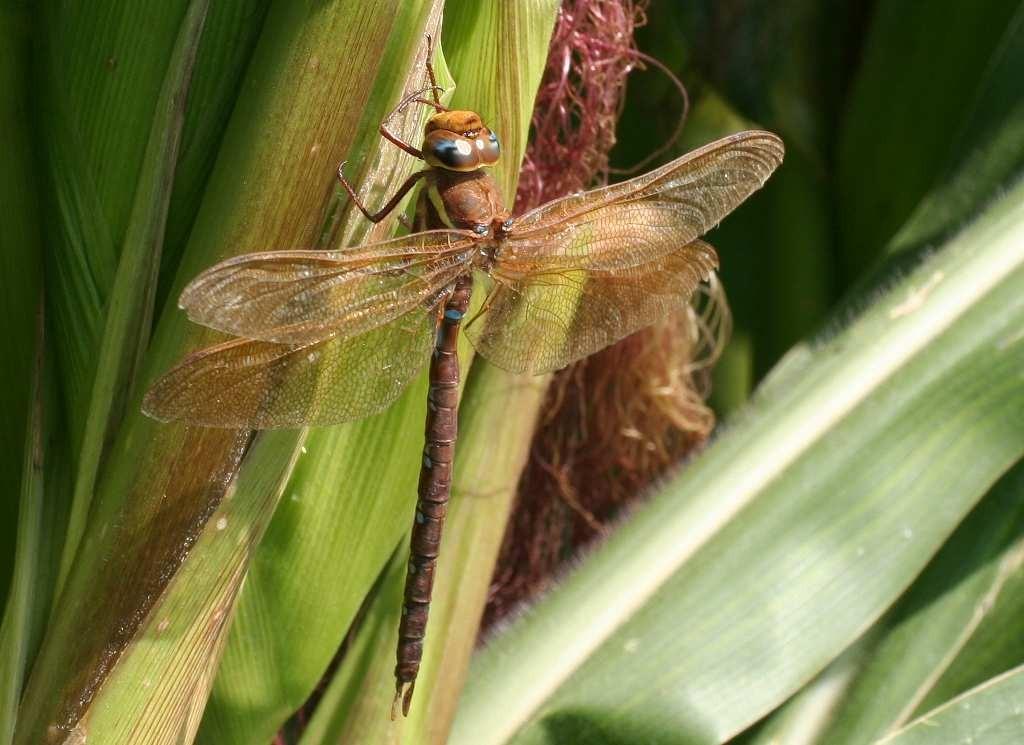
[452,151]
[489,147]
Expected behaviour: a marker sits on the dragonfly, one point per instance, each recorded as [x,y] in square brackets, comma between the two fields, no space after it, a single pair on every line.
[325,337]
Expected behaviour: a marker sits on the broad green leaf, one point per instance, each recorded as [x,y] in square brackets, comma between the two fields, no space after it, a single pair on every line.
[795,531]
[101,67]
[128,315]
[938,617]
[996,642]
[158,689]
[354,703]
[230,35]
[931,655]
[992,714]
[20,629]
[802,719]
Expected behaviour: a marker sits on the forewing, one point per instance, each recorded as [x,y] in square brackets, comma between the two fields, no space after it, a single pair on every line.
[545,320]
[639,220]
[298,297]
[266,385]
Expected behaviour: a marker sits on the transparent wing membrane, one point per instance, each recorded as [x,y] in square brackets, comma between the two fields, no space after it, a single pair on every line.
[266,385]
[639,220]
[298,297]
[544,321]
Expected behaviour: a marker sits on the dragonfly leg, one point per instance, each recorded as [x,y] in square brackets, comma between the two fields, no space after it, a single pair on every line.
[434,87]
[416,97]
[392,203]
[396,140]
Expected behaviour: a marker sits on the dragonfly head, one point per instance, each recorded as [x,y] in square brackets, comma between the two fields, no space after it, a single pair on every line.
[459,141]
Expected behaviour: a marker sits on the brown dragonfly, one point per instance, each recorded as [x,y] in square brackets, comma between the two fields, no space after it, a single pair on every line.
[333,336]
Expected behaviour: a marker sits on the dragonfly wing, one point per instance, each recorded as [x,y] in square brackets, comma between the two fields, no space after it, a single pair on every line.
[634,222]
[298,297]
[543,321]
[255,384]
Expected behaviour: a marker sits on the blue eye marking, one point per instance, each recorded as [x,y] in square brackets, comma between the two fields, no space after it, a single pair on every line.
[446,152]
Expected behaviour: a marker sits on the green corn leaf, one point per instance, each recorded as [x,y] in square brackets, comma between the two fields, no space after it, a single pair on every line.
[353,705]
[987,155]
[230,35]
[937,619]
[994,643]
[128,314]
[101,80]
[18,634]
[803,719]
[991,714]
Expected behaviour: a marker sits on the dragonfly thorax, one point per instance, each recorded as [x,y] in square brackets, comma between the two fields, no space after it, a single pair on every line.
[459,141]
[468,200]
